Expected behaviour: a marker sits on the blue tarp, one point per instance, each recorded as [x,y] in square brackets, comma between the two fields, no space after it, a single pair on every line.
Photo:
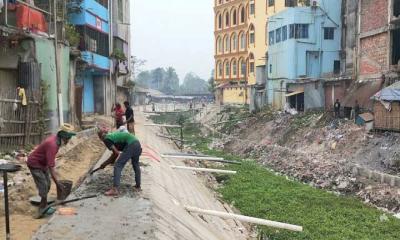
[391,93]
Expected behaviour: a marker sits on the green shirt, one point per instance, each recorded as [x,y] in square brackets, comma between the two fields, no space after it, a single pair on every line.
[119,139]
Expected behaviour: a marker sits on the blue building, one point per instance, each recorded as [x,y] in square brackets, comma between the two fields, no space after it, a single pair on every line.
[304,50]
[92,21]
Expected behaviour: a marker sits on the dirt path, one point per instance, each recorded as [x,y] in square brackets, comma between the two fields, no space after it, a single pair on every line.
[156,213]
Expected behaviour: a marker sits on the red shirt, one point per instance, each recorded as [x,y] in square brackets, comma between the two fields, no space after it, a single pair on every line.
[44,156]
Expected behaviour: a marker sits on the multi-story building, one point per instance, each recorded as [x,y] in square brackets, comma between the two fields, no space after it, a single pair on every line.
[91,20]
[231,50]
[378,47]
[304,49]
[121,47]
[241,46]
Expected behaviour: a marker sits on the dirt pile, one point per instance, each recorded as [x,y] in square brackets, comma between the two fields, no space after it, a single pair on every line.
[319,150]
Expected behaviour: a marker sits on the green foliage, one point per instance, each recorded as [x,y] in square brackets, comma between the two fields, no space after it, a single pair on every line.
[72,35]
[164,80]
[193,84]
[118,54]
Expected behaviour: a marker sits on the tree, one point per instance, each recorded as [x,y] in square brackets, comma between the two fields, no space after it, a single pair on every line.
[193,84]
[136,65]
[157,78]
[143,79]
[171,81]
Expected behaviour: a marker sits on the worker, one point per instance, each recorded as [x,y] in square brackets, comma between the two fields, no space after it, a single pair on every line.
[356,110]
[41,163]
[124,147]
[118,115]
[337,108]
[130,118]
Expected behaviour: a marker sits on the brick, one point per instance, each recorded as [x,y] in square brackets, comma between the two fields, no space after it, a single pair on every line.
[374,14]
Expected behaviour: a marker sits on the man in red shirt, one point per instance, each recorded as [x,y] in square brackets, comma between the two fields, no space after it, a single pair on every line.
[41,162]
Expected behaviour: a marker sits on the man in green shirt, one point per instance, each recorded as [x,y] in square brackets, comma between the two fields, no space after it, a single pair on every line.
[125,147]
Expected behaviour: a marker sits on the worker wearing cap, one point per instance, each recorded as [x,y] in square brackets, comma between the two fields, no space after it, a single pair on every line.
[41,163]
[124,147]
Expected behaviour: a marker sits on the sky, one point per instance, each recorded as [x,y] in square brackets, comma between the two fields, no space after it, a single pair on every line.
[177,33]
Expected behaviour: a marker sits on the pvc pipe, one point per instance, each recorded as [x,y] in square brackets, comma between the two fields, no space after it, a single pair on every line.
[162,125]
[242,218]
[204,169]
[192,157]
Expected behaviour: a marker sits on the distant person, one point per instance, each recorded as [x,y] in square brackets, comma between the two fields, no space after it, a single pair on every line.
[356,110]
[337,108]
[124,147]
[130,118]
[42,161]
[153,107]
[118,115]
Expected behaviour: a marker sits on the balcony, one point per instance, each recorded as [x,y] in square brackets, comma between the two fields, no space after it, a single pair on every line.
[26,17]
[96,61]
[90,13]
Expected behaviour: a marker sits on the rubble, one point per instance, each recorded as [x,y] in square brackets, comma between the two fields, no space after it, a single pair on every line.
[320,151]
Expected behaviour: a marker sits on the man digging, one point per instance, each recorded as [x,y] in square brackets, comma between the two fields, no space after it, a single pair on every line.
[41,163]
[124,147]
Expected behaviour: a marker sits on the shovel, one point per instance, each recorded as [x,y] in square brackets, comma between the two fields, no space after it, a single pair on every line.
[43,212]
[96,170]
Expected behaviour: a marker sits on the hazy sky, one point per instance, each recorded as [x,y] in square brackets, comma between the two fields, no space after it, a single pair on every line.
[177,33]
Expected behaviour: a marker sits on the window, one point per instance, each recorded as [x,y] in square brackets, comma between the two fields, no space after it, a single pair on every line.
[336,67]
[234,18]
[227,20]
[290,3]
[298,31]
[252,38]
[219,21]
[329,33]
[278,35]
[243,68]
[252,8]
[120,11]
[284,33]
[270,68]
[227,44]
[243,41]
[271,2]
[227,69]
[220,70]
[242,15]
[252,67]
[234,41]
[234,69]
[271,38]
[219,45]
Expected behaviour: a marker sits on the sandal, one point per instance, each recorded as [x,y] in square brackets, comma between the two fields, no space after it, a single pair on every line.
[112,193]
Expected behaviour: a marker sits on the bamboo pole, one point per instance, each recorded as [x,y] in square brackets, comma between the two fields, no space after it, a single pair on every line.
[204,169]
[242,218]
[219,161]
[192,157]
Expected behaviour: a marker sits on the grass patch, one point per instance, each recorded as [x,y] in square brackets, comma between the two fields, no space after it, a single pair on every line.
[258,192]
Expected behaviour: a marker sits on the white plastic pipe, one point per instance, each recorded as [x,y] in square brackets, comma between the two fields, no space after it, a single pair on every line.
[204,169]
[191,157]
[242,218]
[162,125]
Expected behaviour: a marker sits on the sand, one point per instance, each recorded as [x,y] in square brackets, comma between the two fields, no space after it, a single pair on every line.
[73,162]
